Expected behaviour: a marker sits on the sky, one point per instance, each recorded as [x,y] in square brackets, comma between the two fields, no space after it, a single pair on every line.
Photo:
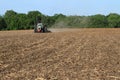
[66,7]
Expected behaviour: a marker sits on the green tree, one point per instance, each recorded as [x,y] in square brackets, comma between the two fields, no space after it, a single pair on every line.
[98,21]
[10,18]
[57,16]
[33,16]
[48,20]
[22,21]
[113,20]
[3,24]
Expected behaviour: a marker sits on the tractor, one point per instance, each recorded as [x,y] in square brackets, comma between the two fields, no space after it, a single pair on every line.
[41,29]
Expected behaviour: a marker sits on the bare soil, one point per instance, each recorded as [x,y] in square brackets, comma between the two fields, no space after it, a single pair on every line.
[64,54]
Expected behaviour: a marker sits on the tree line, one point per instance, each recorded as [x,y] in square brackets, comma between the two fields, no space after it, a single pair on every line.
[12,20]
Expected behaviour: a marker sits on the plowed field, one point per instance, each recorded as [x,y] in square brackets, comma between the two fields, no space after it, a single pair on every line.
[64,54]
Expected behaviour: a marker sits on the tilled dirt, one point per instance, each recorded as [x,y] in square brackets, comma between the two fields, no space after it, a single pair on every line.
[64,54]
